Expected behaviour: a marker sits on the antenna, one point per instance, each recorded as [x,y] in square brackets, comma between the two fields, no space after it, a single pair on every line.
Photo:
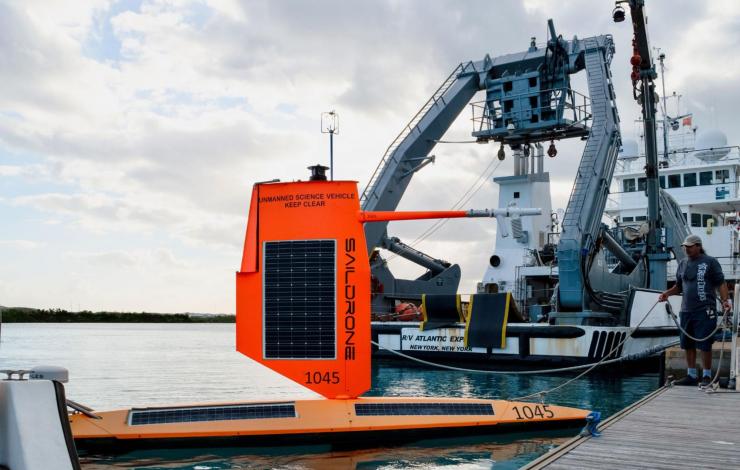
[661,59]
[330,125]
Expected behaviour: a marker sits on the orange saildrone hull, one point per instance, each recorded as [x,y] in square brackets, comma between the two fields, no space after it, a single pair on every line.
[354,422]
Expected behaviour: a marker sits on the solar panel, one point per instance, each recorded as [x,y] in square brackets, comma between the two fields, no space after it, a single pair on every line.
[210,413]
[299,299]
[406,409]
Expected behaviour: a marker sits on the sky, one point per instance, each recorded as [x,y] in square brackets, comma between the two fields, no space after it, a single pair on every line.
[131,131]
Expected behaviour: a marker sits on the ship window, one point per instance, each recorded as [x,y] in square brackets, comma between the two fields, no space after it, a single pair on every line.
[662,181]
[628,186]
[696,220]
[706,218]
[674,181]
[689,179]
[705,178]
[641,184]
[722,175]
[640,218]
[628,219]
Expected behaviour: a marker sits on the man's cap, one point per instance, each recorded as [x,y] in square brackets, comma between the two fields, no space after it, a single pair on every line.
[691,240]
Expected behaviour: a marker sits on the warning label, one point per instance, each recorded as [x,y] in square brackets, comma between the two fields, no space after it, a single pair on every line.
[305,199]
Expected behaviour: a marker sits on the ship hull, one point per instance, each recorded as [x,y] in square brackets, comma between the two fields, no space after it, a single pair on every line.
[527,345]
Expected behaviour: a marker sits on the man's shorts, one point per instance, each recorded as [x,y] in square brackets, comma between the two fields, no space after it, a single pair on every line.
[698,324]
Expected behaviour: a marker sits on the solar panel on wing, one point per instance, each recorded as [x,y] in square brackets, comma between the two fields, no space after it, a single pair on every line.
[409,409]
[210,413]
[300,299]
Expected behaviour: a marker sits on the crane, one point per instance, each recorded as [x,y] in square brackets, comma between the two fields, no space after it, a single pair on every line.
[528,101]
[643,78]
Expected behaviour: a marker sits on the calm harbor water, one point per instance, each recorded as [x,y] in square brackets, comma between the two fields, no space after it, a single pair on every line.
[123,365]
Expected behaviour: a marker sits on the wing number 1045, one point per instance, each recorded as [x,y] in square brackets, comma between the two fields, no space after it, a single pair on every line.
[529,412]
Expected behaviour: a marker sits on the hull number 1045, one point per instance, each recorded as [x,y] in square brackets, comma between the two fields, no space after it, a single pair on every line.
[529,412]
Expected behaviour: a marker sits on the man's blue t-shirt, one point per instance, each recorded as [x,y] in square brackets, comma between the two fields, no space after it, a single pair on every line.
[698,279]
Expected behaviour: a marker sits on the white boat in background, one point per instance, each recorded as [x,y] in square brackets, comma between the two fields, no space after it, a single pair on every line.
[565,287]
[523,263]
[702,173]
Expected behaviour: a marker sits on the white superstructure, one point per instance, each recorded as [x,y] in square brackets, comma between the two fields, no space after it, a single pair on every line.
[701,172]
[528,187]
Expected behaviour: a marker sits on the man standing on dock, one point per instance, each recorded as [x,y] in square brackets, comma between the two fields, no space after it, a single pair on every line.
[697,278]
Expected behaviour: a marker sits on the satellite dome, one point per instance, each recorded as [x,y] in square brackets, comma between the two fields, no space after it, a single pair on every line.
[711,145]
[629,149]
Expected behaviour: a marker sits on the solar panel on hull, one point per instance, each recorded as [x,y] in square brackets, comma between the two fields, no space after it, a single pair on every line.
[406,409]
[299,299]
[210,413]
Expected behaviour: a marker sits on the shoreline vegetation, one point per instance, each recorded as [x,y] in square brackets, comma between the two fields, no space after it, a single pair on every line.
[34,315]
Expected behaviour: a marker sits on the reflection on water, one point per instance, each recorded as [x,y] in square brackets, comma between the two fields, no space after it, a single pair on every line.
[468,453]
[122,365]
[607,392]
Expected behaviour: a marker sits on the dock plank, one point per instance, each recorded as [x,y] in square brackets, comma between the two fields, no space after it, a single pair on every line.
[672,427]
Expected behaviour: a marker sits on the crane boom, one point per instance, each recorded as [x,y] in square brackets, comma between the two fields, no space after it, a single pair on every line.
[643,82]
[582,221]
[412,146]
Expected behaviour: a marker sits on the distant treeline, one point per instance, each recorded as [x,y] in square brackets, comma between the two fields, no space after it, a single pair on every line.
[29,315]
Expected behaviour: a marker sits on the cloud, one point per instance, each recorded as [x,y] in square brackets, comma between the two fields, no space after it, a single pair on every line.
[157,259]
[109,260]
[20,244]
[104,213]
[97,212]
[8,170]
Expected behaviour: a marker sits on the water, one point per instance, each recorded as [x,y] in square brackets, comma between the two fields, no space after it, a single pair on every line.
[123,365]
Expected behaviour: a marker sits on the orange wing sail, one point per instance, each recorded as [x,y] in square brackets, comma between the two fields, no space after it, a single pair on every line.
[303,291]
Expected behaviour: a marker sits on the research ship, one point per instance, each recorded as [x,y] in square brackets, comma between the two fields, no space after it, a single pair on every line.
[562,288]
[700,171]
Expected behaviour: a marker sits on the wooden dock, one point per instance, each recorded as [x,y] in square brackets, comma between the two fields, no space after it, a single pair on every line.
[676,427]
